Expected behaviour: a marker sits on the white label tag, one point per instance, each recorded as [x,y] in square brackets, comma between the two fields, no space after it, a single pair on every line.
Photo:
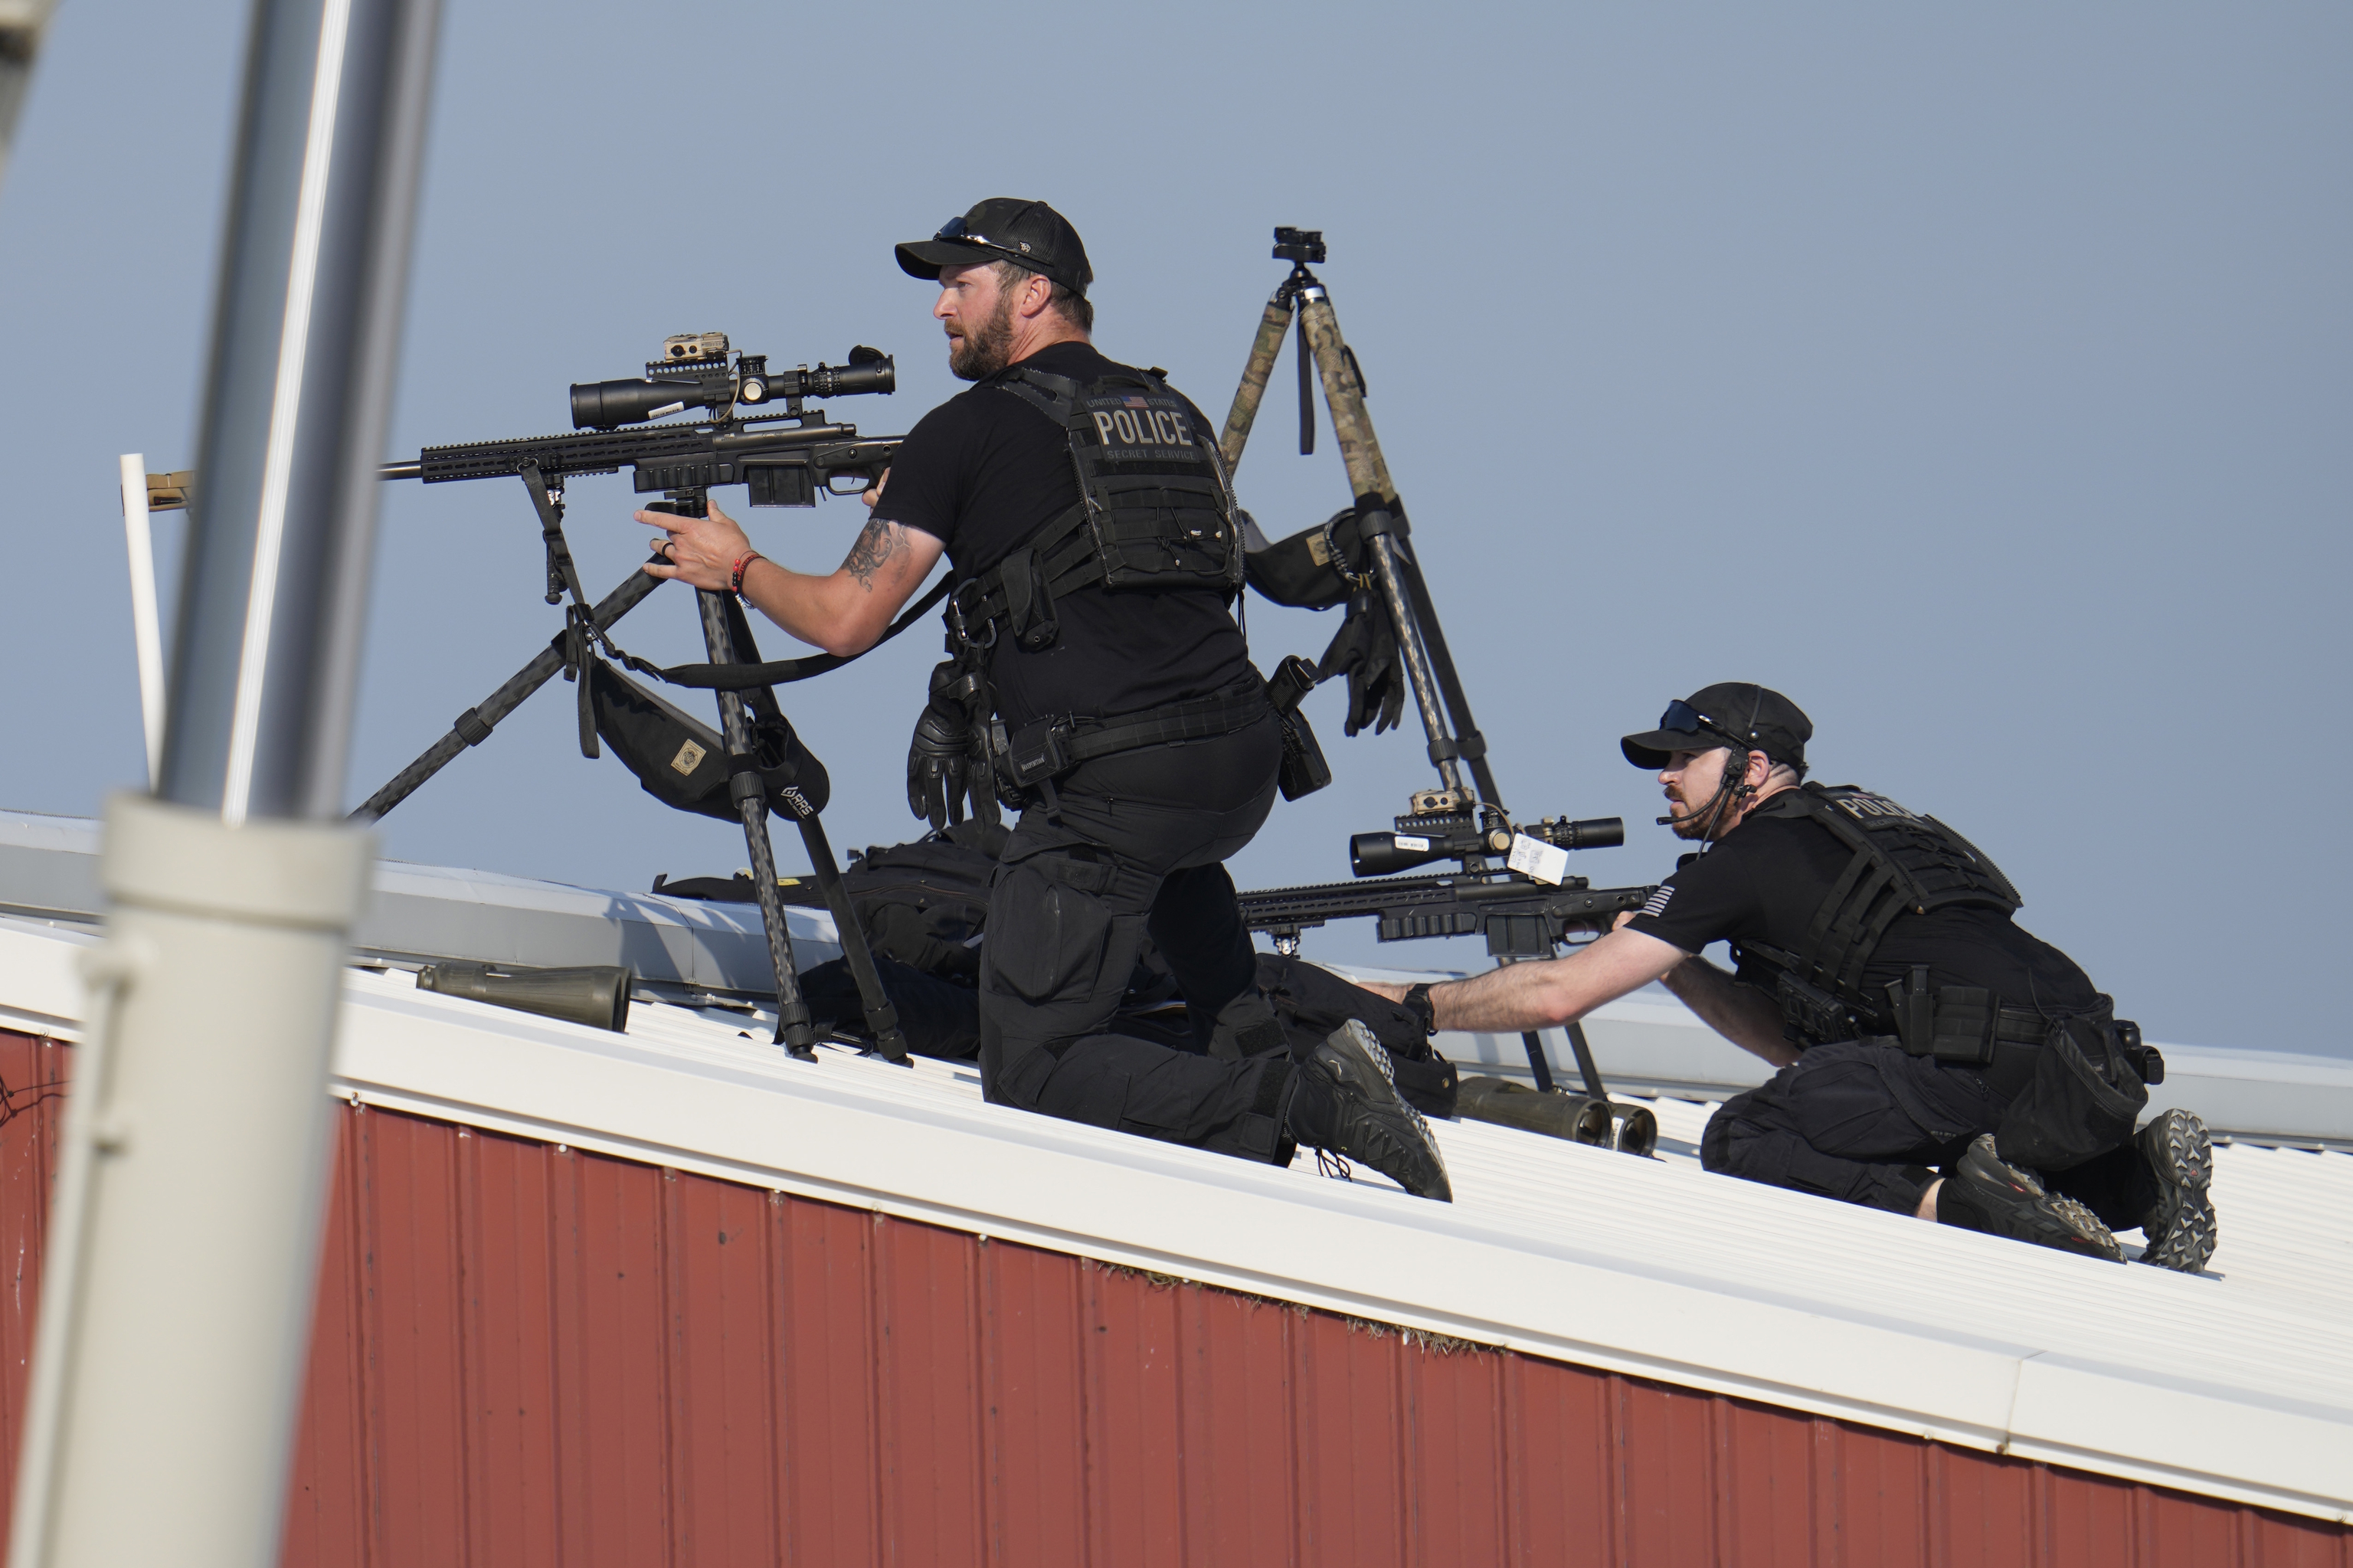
[1536,858]
[689,758]
[1408,842]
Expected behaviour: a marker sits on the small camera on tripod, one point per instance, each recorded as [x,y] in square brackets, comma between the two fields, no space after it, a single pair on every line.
[1304,245]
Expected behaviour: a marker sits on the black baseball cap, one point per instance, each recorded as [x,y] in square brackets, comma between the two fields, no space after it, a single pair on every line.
[1004,228]
[1737,713]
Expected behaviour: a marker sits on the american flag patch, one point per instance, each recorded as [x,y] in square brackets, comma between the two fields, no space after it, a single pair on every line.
[1657,904]
[1135,403]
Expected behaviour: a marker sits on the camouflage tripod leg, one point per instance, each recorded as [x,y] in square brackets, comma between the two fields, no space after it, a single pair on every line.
[1368,477]
[1271,329]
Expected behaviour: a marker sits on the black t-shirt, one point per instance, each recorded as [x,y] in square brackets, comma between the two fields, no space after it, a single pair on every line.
[1763,881]
[982,474]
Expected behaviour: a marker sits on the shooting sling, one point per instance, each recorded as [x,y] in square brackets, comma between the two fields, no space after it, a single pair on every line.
[683,762]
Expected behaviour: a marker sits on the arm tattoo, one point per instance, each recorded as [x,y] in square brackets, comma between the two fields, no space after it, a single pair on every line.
[876,544]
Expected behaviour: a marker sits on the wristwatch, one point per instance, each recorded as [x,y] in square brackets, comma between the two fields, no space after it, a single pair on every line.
[1417,1001]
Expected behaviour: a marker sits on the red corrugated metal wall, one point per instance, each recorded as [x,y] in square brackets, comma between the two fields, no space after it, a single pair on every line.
[529,1355]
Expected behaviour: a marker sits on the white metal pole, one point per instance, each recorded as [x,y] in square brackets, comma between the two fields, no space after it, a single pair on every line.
[167,1366]
[146,625]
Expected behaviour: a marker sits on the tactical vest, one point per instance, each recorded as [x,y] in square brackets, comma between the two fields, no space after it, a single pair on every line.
[1156,513]
[1900,864]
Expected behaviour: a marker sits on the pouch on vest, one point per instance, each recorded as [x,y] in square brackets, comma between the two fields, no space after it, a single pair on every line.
[682,763]
[1030,602]
[2073,1108]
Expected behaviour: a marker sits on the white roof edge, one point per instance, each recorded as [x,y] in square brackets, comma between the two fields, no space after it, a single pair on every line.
[1651,1280]
[1649,1040]
[48,870]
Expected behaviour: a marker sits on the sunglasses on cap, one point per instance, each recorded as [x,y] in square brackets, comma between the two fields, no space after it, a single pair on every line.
[1684,719]
[955,231]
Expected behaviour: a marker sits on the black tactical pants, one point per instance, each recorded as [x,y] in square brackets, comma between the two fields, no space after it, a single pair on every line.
[1863,1121]
[1136,844]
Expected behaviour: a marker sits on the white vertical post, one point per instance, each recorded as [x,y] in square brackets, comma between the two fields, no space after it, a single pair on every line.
[146,627]
[167,1369]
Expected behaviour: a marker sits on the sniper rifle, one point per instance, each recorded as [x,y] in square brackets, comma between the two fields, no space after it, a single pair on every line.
[1524,908]
[754,431]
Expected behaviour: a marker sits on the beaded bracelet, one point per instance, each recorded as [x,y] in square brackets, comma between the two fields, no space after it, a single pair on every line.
[735,578]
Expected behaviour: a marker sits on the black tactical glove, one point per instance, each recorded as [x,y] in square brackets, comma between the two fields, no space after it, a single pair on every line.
[942,752]
[937,762]
[1366,649]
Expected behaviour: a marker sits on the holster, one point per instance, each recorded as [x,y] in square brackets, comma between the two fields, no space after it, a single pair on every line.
[1304,771]
[1951,1022]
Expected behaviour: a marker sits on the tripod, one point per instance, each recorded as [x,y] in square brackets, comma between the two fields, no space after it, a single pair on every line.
[1300,302]
[727,640]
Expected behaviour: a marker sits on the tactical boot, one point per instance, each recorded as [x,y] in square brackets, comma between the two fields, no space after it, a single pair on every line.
[2180,1226]
[1986,1192]
[1345,1101]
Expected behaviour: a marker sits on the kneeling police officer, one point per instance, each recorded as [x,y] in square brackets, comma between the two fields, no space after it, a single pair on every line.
[1913,1023]
[1100,682]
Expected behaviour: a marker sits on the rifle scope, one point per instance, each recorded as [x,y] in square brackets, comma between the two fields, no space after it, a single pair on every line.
[1379,855]
[602,405]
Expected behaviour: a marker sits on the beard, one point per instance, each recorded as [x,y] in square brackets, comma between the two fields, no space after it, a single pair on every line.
[986,349]
[1691,824]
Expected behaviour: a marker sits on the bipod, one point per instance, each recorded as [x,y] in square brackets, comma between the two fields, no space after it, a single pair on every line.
[1301,302]
[474,726]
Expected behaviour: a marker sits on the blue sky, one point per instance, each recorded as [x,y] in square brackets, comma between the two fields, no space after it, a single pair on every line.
[1978,377]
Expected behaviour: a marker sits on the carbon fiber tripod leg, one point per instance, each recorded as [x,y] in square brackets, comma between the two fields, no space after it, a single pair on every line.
[761,707]
[1585,1063]
[474,726]
[881,1018]
[1450,683]
[1533,1043]
[795,1032]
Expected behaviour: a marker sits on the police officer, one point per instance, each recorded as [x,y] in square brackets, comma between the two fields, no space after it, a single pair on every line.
[1877,965]
[1098,682]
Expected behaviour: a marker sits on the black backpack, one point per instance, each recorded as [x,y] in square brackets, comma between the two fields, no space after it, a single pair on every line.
[924,902]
